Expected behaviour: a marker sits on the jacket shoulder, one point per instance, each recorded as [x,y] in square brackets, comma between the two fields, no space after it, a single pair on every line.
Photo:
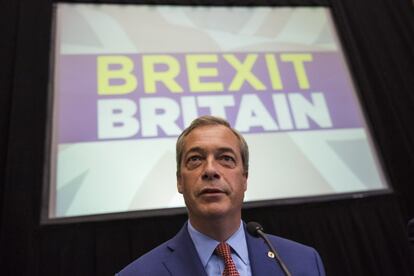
[151,263]
[298,257]
[291,245]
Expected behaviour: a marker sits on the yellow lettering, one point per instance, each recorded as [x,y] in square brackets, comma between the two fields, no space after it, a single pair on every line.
[273,71]
[243,72]
[104,75]
[298,60]
[166,77]
[195,73]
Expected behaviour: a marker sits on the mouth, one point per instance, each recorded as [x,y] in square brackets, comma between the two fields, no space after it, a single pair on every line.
[212,192]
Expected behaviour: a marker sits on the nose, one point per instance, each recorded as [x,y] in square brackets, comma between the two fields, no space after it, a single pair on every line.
[210,171]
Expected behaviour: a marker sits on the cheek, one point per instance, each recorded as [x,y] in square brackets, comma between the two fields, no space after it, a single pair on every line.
[185,183]
[241,183]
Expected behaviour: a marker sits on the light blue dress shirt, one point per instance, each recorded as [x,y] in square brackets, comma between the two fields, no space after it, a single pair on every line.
[212,263]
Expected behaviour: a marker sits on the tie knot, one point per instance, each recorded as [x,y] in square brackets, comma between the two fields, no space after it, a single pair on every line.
[224,251]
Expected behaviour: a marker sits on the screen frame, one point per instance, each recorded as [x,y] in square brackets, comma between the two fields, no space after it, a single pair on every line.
[50,158]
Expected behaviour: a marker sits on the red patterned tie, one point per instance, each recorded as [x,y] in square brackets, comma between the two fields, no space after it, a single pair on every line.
[224,251]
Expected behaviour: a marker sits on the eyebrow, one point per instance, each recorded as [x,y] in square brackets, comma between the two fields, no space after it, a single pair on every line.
[194,149]
[201,150]
[225,149]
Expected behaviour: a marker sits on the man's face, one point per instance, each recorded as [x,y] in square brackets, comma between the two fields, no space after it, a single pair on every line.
[212,179]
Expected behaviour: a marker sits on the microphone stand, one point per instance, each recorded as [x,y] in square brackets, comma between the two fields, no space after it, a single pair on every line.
[278,259]
[256,229]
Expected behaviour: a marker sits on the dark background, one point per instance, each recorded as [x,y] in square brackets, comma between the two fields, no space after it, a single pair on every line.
[364,235]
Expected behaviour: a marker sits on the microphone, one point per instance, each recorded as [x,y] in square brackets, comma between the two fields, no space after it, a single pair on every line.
[256,230]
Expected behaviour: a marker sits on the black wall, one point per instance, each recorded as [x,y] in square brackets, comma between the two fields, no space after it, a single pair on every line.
[360,236]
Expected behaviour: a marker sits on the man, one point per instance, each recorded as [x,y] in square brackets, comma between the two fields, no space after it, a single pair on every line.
[212,171]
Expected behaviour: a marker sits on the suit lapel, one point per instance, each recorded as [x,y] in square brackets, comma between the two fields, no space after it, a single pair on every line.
[260,263]
[184,258]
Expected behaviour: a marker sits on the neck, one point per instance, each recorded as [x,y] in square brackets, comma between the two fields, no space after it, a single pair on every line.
[219,229]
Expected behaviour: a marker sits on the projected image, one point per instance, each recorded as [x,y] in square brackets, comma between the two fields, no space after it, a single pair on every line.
[128,79]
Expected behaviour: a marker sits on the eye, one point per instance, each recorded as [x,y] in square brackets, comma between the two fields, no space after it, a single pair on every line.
[194,158]
[227,160]
[193,161]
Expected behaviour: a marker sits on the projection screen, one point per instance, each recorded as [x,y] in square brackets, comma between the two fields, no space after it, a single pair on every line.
[127,79]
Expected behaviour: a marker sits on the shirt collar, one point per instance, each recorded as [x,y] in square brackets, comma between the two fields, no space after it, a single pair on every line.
[205,245]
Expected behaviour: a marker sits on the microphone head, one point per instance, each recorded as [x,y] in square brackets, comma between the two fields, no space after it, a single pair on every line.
[253,228]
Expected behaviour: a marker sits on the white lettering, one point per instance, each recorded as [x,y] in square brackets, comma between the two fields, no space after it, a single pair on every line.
[189,109]
[217,104]
[159,112]
[302,110]
[252,113]
[116,118]
[282,111]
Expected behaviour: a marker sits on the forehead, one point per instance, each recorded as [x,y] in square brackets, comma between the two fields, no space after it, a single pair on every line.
[211,136]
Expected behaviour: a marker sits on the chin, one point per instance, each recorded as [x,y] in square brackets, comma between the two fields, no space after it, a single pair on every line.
[215,211]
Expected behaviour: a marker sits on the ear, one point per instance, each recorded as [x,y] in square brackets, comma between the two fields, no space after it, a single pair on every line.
[179,184]
[245,180]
